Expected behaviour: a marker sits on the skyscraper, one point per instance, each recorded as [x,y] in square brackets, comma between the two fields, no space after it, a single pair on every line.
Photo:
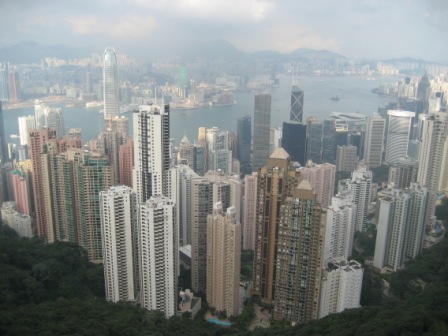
[55,119]
[4,92]
[398,134]
[322,178]
[158,250]
[223,260]
[219,156]
[346,158]
[3,144]
[294,141]
[262,125]
[111,91]
[430,159]
[151,151]
[296,110]
[314,145]
[181,178]
[42,213]
[360,187]
[403,172]
[374,141]
[118,210]
[92,174]
[299,257]
[26,124]
[212,188]
[244,138]
[401,226]
[276,181]
[340,227]
[249,211]
[126,162]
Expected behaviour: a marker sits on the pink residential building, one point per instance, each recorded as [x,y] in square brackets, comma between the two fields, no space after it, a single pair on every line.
[126,162]
[322,179]
[249,211]
[21,195]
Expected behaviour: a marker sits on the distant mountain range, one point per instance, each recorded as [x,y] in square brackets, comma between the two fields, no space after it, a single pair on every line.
[29,52]
[32,52]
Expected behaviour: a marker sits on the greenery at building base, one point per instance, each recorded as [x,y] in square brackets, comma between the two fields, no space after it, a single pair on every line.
[51,289]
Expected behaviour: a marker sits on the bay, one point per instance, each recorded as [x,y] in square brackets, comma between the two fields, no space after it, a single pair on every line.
[354,93]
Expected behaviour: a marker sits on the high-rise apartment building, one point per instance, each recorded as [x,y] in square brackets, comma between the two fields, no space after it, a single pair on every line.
[92,174]
[340,227]
[398,133]
[111,93]
[296,110]
[181,178]
[322,178]
[249,211]
[374,141]
[4,157]
[202,205]
[403,172]
[276,181]
[223,260]
[262,125]
[126,162]
[340,286]
[118,211]
[299,257]
[346,158]
[244,144]
[158,250]
[294,139]
[430,158]
[401,226]
[360,186]
[40,189]
[151,151]
[205,191]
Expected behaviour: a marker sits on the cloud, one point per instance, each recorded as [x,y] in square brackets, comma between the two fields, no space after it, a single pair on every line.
[130,27]
[286,38]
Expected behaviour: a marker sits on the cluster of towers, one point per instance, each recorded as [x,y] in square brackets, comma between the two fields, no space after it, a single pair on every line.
[132,203]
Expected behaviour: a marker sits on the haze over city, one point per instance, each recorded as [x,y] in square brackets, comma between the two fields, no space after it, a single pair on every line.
[238,167]
[146,29]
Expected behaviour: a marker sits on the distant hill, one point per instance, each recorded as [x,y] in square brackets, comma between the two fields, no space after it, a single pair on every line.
[315,54]
[31,52]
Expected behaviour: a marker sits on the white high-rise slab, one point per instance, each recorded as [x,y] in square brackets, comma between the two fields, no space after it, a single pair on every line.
[119,238]
[158,250]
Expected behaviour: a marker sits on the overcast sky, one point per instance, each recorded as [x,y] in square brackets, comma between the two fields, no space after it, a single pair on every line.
[354,28]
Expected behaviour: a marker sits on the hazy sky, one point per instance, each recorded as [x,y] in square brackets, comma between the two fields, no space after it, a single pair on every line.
[354,28]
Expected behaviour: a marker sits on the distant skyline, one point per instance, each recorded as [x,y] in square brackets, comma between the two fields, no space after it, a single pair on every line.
[378,29]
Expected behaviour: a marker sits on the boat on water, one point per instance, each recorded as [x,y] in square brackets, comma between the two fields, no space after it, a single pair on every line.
[335,98]
[94,104]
